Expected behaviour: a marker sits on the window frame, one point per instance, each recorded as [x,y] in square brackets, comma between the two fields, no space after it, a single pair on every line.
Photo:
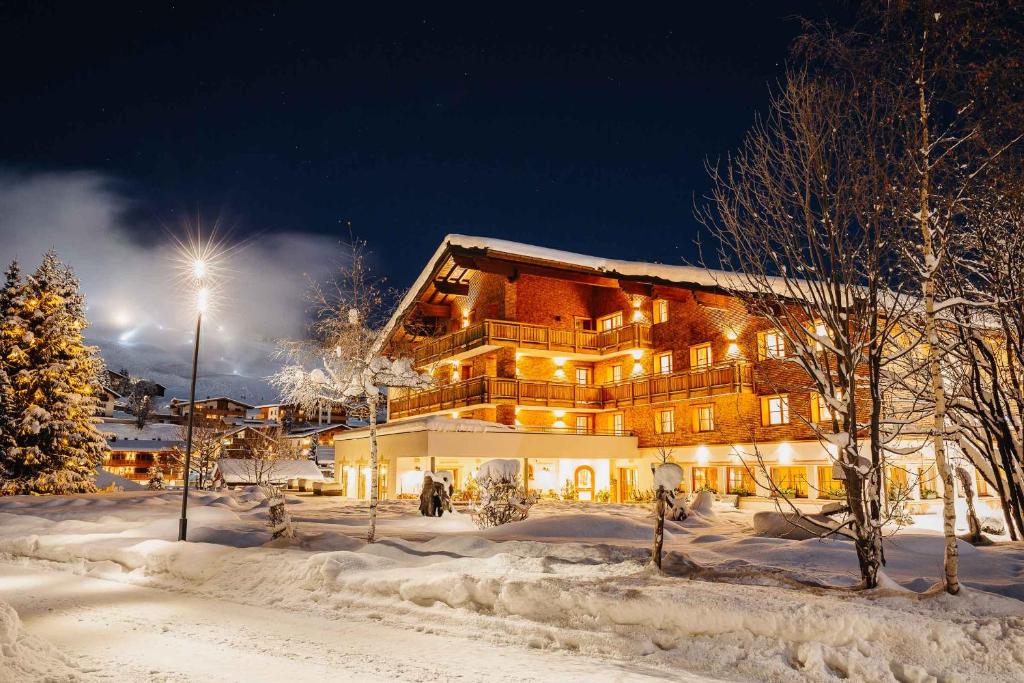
[695,353]
[698,423]
[587,376]
[659,363]
[782,411]
[659,310]
[611,317]
[660,421]
[775,351]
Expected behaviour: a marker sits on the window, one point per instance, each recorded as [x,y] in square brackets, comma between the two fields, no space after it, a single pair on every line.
[771,344]
[583,424]
[582,375]
[819,408]
[581,323]
[663,361]
[660,310]
[618,424]
[705,479]
[610,322]
[828,485]
[700,356]
[615,373]
[820,331]
[704,418]
[738,480]
[775,410]
[792,481]
[666,422]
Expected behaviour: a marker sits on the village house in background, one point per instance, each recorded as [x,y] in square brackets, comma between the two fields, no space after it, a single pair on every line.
[588,370]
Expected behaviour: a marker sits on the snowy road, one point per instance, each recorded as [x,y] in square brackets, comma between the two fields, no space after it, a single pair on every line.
[121,632]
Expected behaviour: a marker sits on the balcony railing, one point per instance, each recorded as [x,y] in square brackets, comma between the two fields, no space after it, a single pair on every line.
[727,378]
[719,379]
[528,336]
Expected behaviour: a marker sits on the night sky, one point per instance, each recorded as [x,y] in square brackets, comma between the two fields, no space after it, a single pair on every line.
[572,128]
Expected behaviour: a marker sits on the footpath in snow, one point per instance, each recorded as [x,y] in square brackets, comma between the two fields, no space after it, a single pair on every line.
[570,581]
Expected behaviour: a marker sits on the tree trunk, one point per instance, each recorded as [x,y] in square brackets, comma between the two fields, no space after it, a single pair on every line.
[931,262]
[374,469]
[972,517]
[659,529]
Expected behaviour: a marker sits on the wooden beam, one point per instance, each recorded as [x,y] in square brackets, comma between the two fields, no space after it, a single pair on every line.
[449,287]
[641,288]
[434,310]
[671,293]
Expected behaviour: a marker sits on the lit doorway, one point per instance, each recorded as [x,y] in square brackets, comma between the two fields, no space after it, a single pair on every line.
[585,482]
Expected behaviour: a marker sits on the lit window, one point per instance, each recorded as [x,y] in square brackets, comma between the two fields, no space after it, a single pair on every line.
[739,480]
[664,363]
[615,373]
[820,331]
[704,418]
[666,422]
[618,424]
[705,479]
[775,410]
[660,310]
[819,406]
[771,345]
[582,375]
[700,356]
[582,424]
[610,322]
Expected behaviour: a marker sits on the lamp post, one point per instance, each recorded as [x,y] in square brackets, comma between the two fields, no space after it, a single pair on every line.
[202,301]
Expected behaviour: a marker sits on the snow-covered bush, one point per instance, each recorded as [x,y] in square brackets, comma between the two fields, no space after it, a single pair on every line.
[502,498]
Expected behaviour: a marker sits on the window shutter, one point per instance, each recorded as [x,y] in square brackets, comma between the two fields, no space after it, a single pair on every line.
[765,416]
[762,350]
[695,418]
[815,407]
[693,357]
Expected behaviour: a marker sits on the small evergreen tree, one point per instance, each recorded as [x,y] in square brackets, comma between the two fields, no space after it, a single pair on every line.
[53,445]
[156,479]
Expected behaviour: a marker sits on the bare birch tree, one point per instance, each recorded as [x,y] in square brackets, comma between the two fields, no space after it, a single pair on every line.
[345,362]
[801,214]
[206,449]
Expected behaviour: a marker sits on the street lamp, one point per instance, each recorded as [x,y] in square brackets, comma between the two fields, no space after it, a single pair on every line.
[202,303]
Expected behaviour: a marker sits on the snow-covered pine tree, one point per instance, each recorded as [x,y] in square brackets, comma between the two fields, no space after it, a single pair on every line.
[156,479]
[56,447]
[8,425]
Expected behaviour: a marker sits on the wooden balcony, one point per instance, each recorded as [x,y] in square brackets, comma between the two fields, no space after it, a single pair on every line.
[728,378]
[538,337]
[719,379]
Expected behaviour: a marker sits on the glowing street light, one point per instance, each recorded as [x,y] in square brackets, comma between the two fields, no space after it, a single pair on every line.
[196,260]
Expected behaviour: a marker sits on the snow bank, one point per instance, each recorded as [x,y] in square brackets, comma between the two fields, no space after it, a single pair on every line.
[24,657]
[574,577]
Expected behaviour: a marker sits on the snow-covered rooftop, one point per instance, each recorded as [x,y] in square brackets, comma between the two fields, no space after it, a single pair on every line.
[238,471]
[633,270]
[143,445]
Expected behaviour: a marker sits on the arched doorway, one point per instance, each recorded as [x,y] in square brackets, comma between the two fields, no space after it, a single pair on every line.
[584,477]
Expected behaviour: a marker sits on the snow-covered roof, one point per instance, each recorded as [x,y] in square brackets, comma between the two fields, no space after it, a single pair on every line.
[143,445]
[431,423]
[153,430]
[686,276]
[308,431]
[208,399]
[239,471]
[104,480]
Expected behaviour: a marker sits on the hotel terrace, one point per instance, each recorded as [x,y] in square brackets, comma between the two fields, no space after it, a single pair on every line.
[588,370]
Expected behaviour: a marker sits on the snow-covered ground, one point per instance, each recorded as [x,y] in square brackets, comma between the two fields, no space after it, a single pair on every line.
[564,594]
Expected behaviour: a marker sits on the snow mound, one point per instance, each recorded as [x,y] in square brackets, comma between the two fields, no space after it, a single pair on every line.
[774,524]
[498,469]
[24,657]
[577,526]
[703,503]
